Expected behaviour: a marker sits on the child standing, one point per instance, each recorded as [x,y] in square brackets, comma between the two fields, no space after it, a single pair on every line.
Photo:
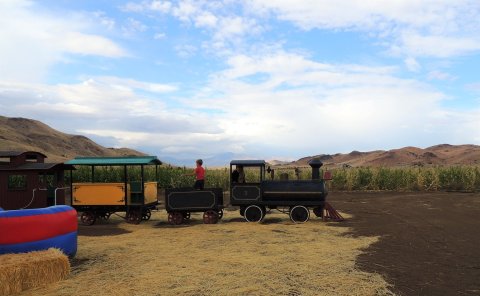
[199,174]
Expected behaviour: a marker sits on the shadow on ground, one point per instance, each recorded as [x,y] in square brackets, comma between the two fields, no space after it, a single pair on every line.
[102,228]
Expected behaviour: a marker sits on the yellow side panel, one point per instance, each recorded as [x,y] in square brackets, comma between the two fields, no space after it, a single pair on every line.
[150,192]
[111,194]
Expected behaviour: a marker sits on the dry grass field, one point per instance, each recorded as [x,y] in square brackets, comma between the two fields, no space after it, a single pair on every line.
[230,258]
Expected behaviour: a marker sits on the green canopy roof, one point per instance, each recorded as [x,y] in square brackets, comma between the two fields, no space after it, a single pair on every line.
[127,160]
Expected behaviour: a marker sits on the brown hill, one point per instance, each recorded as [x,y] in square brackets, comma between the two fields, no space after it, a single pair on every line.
[27,134]
[444,154]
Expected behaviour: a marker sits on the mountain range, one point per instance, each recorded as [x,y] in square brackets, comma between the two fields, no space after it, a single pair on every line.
[28,134]
[443,154]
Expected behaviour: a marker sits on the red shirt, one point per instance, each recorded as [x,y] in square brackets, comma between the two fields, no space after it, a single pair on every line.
[200,173]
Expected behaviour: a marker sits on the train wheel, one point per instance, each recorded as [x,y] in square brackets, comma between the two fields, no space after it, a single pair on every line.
[318,211]
[254,213]
[299,214]
[104,215]
[186,215]
[146,214]
[210,217]
[220,214]
[134,216]
[88,218]
[175,218]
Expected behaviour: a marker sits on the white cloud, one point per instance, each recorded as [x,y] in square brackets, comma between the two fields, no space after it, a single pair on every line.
[473,86]
[228,28]
[185,10]
[31,40]
[440,75]
[236,26]
[99,96]
[407,29]
[133,26]
[284,100]
[133,7]
[351,14]
[206,19]
[160,6]
[112,107]
[412,64]
[86,44]
[436,46]
[123,138]
[159,36]
[410,28]
[107,22]
[185,51]
[445,15]
[133,84]
[157,6]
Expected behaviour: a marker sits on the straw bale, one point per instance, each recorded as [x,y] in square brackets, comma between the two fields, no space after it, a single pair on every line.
[20,272]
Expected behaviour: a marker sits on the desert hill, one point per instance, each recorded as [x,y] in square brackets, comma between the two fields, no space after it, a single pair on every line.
[21,134]
[443,154]
[27,134]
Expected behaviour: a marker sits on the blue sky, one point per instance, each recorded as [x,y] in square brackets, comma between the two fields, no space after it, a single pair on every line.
[257,79]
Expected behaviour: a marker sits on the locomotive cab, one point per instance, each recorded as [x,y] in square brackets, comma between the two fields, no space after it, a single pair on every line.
[249,189]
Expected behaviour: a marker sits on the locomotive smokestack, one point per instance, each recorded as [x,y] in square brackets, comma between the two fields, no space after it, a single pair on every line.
[315,163]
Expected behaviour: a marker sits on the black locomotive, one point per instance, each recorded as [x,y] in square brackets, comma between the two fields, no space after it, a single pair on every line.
[293,196]
[254,197]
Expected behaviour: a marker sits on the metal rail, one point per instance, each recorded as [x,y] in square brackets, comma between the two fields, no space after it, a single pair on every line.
[292,192]
[43,189]
[59,188]
[33,197]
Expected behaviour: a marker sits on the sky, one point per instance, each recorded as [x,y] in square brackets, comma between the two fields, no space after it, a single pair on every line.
[245,79]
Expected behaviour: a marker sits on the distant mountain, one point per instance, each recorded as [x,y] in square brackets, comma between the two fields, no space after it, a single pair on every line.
[278,162]
[219,160]
[443,154]
[27,134]
[22,134]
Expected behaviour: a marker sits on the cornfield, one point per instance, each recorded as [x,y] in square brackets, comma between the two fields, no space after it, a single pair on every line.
[448,178]
[454,178]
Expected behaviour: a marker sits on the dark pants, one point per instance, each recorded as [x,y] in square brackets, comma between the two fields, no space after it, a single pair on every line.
[199,184]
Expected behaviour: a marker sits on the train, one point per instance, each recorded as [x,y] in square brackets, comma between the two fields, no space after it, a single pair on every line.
[254,197]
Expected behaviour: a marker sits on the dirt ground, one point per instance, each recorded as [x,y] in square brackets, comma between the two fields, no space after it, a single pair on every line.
[429,242]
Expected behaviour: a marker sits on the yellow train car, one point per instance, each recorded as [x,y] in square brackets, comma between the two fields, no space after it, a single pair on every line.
[99,194]
[133,195]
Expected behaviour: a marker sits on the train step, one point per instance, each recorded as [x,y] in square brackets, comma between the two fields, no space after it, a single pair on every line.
[330,214]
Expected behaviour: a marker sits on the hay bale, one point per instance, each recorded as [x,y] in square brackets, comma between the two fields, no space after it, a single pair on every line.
[19,272]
